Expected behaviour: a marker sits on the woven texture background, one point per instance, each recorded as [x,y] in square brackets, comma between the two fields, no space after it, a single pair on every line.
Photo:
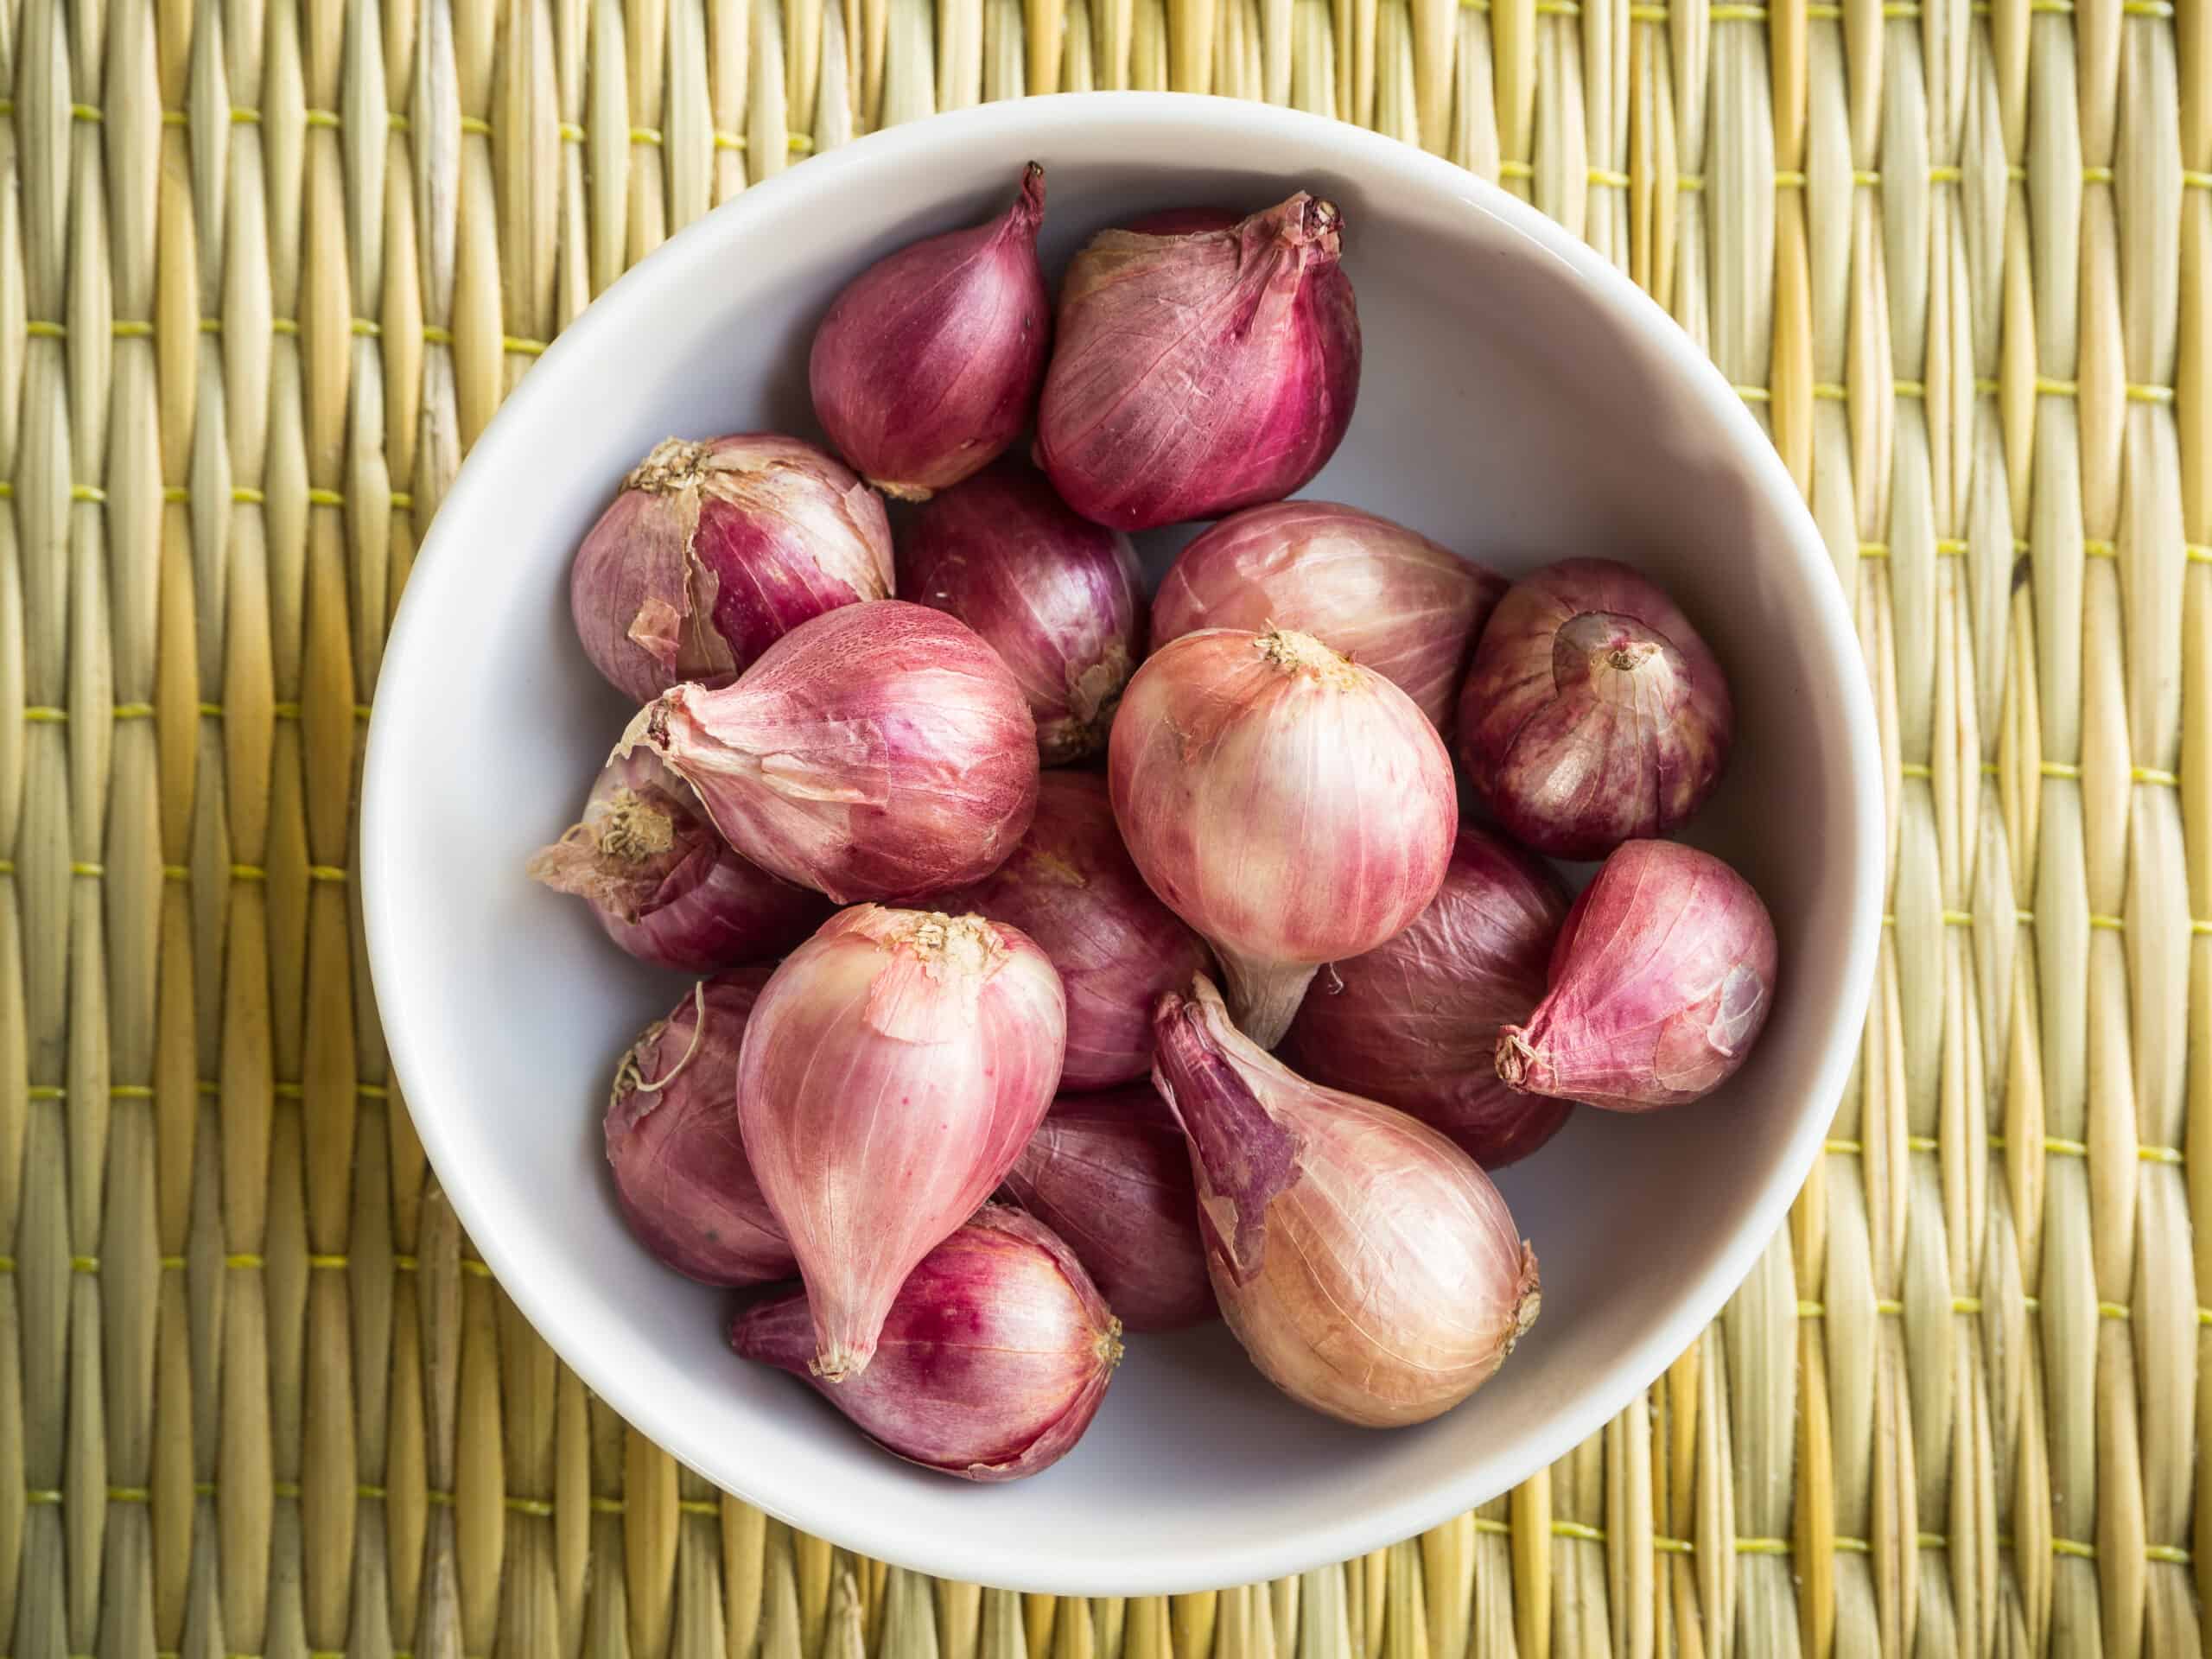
[265,269]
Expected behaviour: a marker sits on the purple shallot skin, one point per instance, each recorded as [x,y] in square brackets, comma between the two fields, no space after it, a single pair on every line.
[680,1174]
[1107,1172]
[1414,1023]
[992,1359]
[1660,982]
[1593,712]
[927,365]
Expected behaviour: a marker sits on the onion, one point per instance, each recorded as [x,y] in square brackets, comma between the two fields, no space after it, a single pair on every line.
[1414,1023]
[893,1070]
[1058,597]
[881,752]
[995,1355]
[1294,807]
[1661,981]
[713,550]
[1070,886]
[928,364]
[664,885]
[680,1171]
[1378,593]
[1592,712]
[1366,1264]
[1200,371]
[1108,1173]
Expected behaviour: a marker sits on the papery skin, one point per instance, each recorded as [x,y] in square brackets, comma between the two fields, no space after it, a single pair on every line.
[1367,1265]
[1108,1173]
[1201,371]
[1414,1023]
[893,1070]
[666,887]
[1059,598]
[1593,712]
[680,1174]
[994,1355]
[928,364]
[1661,981]
[1381,595]
[1071,887]
[1293,807]
[879,752]
[713,550]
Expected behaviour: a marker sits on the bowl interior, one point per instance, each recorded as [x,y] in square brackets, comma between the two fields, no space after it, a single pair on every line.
[1519,403]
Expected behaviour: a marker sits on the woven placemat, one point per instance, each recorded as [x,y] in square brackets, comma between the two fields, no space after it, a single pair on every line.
[266,268]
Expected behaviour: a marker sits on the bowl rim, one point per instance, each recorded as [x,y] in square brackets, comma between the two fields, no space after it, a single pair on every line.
[1097,117]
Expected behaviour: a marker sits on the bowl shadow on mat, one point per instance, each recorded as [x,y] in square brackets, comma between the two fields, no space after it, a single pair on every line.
[1516,404]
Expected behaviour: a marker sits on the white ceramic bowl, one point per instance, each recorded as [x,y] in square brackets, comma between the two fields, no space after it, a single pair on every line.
[1521,401]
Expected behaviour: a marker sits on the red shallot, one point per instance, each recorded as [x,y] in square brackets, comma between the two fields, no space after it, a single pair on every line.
[1109,1174]
[680,1170]
[1661,981]
[1380,594]
[1366,1264]
[1593,712]
[994,1353]
[1070,886]
[893,1070]
[927,366]
[879,752]
[1294,807]
[1200,371]
[713,550]
[1058,597]
[1414,1023]
[664,885]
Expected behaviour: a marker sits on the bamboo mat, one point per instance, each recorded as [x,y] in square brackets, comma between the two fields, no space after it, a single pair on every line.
[265,269]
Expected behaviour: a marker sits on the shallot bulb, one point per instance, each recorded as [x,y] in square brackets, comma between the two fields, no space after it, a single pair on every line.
[1058,597]
[1661,981]
[1109,1174]
[1593,712]
[1200,370]
[664,885]
[1366,1264]
[1380,594]
[713,550]
[1070,886]
[927,366]
[994,1354]
[680,1170]
[1414,1023]
[892,1072]
[879,752]
[1294,807]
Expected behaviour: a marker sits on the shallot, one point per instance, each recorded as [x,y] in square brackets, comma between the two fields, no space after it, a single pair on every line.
[1414,1023]
[1056,596]
[1366,1264]
[1108,1173]
[1200,370]
[713,550]
[666,887]
[879,752]
[685,1186]
[1380,594]
[928,364]
[892,1072]
[1593,712]
[1070,886]
[1293,806]
[994,1354]
[1661,981]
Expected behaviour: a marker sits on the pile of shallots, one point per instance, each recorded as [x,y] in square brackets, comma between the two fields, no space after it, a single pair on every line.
[1055,988]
